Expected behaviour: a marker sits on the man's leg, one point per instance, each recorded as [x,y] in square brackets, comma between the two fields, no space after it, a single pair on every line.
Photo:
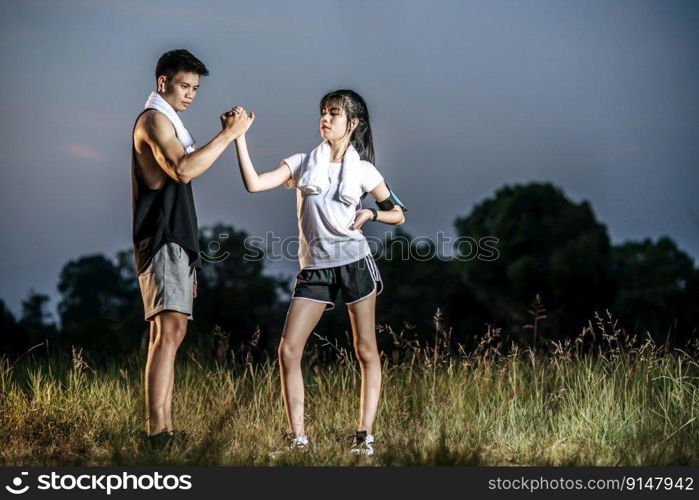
[167,332]
[149,362]
[168,401]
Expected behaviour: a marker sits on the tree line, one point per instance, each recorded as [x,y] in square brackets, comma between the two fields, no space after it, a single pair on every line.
[552,270]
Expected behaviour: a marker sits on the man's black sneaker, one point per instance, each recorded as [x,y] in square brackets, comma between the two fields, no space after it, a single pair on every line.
[161,440]
[179,436]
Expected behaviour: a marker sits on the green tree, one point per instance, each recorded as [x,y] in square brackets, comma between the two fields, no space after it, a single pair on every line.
[688,329]
[36,320]
[546,245]
[418,282]
[13,339]
[98,300]
[234,293]
[655,279]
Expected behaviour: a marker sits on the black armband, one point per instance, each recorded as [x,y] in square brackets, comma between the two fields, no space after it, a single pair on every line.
[391,202]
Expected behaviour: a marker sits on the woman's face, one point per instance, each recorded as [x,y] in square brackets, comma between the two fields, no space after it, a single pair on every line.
[333,122]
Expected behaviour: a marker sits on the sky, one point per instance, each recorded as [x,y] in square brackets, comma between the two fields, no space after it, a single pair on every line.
[599,97]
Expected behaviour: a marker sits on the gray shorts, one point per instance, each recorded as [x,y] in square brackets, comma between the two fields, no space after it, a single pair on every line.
[167,282]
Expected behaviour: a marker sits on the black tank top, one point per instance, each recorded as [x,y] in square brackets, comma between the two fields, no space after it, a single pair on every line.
[161,216]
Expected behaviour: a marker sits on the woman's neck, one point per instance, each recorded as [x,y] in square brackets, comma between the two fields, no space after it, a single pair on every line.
[337,150]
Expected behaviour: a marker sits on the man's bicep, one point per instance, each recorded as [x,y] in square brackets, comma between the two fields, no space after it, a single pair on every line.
[166,147]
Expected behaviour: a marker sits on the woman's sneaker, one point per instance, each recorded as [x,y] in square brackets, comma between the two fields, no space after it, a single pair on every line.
[292,443]
[362,444]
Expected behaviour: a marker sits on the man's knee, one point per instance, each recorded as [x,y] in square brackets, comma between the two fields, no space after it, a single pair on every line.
[171,327]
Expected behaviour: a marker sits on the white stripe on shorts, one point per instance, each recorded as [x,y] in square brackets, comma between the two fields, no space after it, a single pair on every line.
[372,268]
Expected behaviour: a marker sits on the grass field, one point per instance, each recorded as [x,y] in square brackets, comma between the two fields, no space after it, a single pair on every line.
[625,402]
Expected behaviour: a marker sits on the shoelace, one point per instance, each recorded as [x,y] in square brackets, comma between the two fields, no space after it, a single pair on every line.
[360,439]
[290,440]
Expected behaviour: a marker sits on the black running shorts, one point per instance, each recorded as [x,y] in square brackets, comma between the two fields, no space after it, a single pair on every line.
[356,281]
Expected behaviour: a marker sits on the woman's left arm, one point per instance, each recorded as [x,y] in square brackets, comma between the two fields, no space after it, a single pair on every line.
[254,182]
[393,217]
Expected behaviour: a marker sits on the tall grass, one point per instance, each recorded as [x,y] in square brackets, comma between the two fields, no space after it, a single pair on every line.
[602,398]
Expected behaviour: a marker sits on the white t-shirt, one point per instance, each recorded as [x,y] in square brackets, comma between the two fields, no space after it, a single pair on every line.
[325,239]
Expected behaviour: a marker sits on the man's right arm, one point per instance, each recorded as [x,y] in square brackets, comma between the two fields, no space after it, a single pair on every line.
[170,155]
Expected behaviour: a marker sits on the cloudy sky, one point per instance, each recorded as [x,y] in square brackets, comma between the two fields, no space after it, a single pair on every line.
[599,97]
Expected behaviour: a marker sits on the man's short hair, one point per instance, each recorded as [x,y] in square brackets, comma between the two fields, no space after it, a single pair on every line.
[174,61]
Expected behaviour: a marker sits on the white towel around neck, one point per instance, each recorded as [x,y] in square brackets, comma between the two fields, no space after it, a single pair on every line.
[315,179]
[156,102]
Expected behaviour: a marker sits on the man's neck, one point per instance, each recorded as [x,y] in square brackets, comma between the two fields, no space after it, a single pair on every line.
[168,100]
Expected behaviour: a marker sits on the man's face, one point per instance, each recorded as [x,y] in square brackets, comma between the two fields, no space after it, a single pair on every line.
[181,90]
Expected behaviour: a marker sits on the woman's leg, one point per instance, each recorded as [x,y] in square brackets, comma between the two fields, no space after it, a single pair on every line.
[362,318]
[301,319]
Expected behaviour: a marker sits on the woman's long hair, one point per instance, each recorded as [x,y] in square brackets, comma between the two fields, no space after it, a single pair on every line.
[354,107]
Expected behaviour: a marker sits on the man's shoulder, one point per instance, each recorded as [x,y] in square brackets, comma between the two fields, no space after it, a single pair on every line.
[151,123]
[146,126]
[152,118]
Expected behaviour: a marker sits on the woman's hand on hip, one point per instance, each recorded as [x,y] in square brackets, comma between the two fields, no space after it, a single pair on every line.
[360,217]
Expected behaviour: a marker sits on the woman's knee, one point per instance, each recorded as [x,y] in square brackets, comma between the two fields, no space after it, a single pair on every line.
[366,352]
[289,353]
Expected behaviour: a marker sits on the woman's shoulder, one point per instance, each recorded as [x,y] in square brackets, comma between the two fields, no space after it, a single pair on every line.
[296,157]
[367,164]
[295,161]
[369,168]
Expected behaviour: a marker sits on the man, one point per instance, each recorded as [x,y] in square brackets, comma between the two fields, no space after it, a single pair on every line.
[165,234]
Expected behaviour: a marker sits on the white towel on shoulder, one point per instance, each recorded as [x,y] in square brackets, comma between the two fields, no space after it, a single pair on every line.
[315,179]
[156,102]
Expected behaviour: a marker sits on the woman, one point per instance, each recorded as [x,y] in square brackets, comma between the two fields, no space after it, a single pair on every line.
[334,255]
